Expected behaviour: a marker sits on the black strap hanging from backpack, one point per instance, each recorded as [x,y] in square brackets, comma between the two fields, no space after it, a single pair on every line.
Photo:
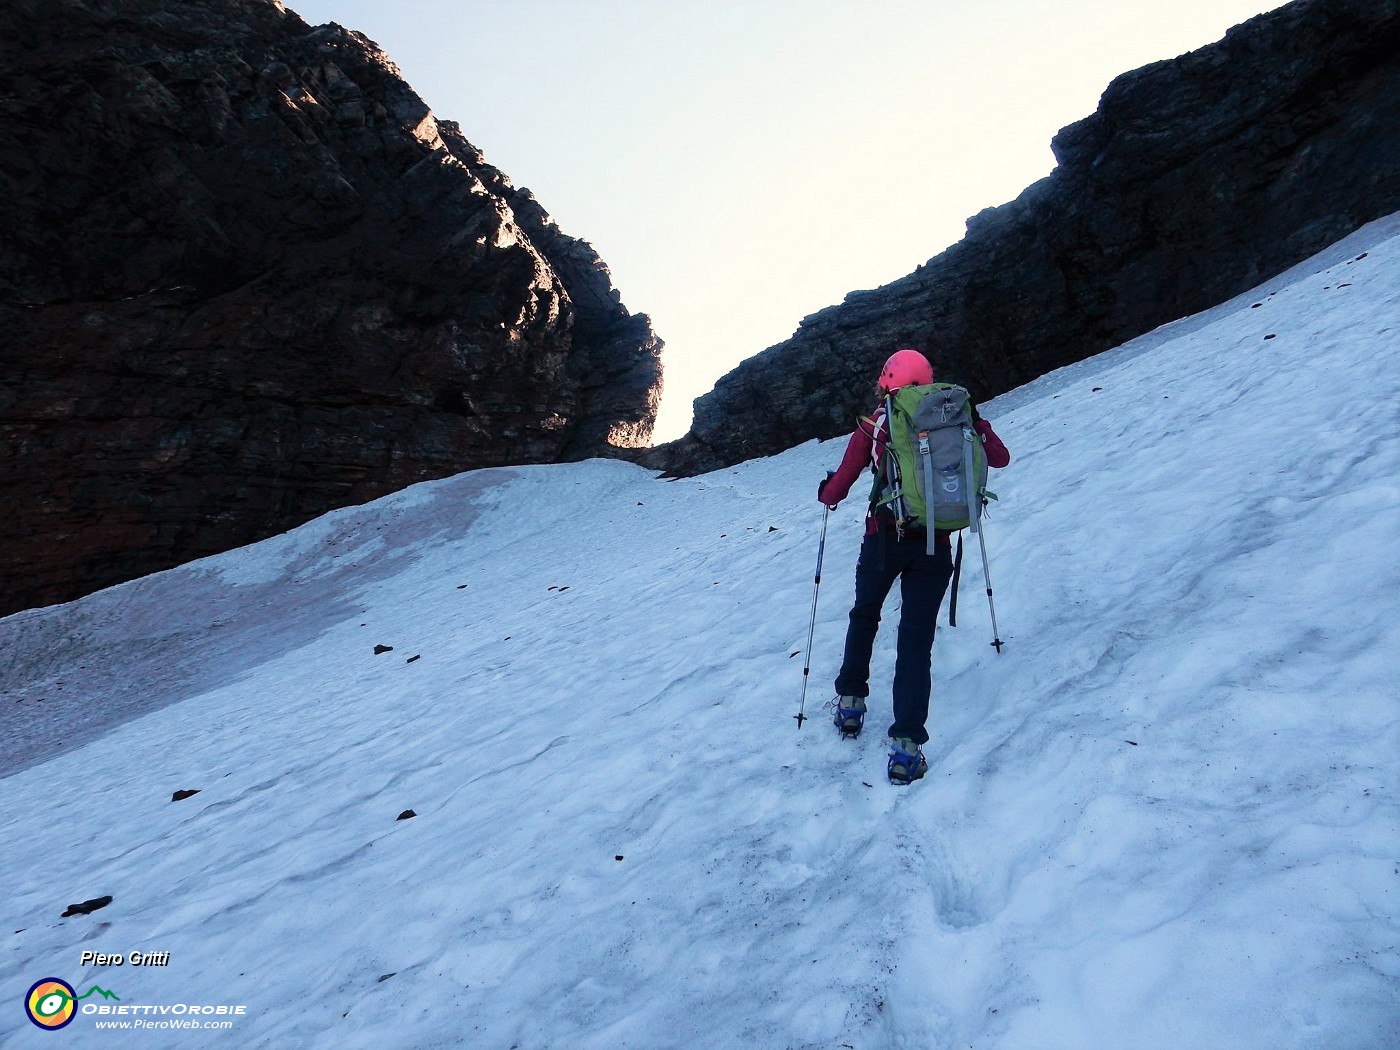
[957,572]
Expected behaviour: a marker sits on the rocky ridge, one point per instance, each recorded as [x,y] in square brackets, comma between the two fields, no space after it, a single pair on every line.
[247,277]
[1196,179]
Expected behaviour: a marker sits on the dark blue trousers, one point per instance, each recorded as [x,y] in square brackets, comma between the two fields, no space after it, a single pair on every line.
[923,578]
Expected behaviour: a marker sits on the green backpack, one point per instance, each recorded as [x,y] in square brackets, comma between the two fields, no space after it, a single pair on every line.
[934,470]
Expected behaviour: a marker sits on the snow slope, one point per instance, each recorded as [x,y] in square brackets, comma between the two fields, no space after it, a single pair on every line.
[1165,816]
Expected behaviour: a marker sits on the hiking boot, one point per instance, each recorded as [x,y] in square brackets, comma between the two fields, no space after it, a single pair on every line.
[850,714]
[907,762]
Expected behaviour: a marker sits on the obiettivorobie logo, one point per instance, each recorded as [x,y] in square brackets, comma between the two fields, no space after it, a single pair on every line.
[52,1003]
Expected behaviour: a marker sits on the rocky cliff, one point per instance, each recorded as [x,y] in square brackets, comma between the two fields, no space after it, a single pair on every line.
[1196,179]
[246,277]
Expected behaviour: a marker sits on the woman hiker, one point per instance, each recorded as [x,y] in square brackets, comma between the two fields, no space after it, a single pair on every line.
[889,552]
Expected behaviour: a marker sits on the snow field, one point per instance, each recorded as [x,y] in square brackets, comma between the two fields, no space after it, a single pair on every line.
[1164,816]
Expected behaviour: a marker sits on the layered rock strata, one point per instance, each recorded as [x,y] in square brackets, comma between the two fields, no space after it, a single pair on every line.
[1195,180]
[246,277]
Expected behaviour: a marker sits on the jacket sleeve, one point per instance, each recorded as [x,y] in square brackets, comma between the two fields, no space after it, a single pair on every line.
[997,454]
[837,487]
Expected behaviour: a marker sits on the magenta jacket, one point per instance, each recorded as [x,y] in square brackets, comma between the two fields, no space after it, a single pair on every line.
[867,445]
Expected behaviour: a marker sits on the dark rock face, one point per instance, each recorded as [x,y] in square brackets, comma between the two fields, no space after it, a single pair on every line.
[246,278]
[1197,179]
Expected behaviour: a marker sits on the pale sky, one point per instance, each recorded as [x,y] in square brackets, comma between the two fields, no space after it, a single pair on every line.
[739,164]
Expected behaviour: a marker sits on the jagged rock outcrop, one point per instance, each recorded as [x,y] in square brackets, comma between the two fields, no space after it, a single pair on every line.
[247,277]
[1196,179]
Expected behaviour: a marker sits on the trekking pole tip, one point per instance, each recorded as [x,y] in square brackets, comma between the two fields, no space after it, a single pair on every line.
[800,719]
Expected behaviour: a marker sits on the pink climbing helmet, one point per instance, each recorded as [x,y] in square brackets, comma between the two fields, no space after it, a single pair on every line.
[905,367]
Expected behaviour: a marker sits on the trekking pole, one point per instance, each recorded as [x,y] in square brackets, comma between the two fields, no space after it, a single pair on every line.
[987,575]
[812,624]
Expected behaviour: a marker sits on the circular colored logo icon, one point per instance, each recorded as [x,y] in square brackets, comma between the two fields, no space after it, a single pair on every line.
[50,1003]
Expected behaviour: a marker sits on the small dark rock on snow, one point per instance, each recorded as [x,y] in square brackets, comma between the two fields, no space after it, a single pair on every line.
[88,907]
